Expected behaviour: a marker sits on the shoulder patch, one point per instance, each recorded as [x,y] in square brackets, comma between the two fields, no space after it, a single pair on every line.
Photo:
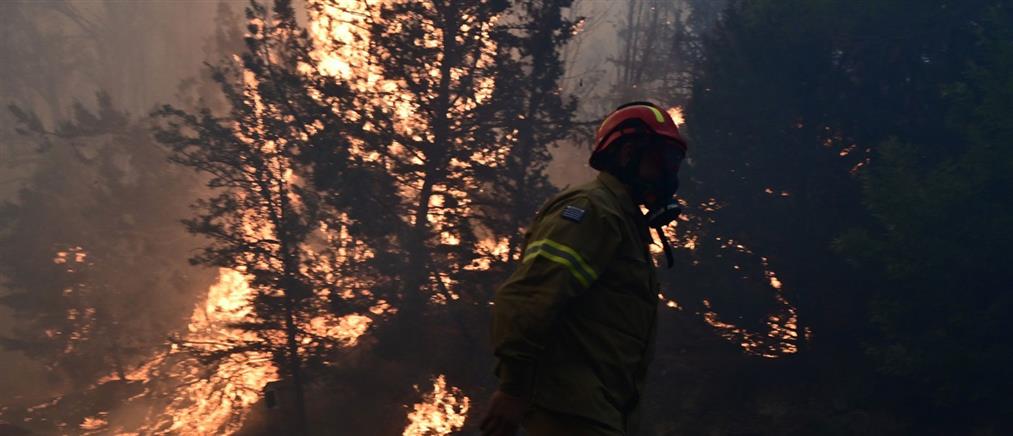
[573,213]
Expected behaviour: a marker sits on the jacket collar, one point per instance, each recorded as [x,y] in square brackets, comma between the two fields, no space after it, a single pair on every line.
[621,192]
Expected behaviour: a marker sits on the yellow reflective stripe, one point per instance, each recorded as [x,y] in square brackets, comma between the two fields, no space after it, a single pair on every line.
[603,123]
[657,114]
[563,255]
[562,261]
[571,252]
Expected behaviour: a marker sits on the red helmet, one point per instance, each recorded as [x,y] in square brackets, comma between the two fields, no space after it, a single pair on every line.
[636,118]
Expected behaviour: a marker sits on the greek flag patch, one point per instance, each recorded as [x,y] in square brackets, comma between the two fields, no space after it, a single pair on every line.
[573,213]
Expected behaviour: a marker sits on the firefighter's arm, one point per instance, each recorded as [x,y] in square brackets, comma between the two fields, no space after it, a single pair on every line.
[566,250]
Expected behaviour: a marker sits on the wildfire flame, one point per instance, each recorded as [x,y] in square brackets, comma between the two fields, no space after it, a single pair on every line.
[213,398]
[213,402]
[93,423]
[676,113]
[782,334]
[207,406]
[782,327]
[440,412]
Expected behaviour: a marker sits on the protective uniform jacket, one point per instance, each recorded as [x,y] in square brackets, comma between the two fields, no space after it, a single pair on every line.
[573,327]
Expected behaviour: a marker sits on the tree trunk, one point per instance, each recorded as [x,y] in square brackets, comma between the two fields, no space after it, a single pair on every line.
[290,265]
[294,363]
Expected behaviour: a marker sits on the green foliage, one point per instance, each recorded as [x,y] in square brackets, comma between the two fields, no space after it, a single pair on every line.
[886,126]
[942,232]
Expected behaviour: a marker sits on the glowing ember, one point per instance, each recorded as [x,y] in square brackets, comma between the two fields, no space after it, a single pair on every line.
[690,243]
[70,256]
[774,282]
[441,412]
[94,423]
[676,113]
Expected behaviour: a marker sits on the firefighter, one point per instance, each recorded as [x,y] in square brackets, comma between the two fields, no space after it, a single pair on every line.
[573,327]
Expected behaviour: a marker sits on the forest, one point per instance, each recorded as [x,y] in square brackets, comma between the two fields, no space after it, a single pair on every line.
[290,217]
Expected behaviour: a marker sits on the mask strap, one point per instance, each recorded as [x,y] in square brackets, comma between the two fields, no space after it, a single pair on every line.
[658,219]
[665,246]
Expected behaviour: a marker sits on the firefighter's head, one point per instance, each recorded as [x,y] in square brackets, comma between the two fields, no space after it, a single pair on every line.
[640,144]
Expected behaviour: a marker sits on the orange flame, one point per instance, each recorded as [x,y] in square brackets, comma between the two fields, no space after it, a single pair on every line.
[210,404]
[213,400]
[782,327]
[676,113]
[441,412]
[92,423]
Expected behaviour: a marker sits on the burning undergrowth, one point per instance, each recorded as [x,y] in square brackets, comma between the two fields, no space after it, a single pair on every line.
[201,384]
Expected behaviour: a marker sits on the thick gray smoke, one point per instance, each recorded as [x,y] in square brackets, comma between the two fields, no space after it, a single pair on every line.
[56,53]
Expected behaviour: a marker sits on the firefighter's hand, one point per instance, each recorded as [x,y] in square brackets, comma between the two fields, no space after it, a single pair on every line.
[504,415]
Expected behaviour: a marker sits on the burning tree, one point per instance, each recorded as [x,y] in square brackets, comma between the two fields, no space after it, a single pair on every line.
[531,115]
[440,58]
[265,222]
[423,73]
[460,101]
[385,180]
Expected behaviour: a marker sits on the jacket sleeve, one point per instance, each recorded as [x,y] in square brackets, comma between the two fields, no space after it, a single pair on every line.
[566,249]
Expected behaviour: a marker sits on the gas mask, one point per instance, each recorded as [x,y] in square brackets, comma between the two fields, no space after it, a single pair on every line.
[657,194]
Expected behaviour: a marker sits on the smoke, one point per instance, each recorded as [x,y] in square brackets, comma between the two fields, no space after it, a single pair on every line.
[53,54]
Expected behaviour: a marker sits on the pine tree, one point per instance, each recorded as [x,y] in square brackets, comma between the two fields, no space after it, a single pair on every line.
[461,115]
[437,135]
[532,116]
[265,220]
